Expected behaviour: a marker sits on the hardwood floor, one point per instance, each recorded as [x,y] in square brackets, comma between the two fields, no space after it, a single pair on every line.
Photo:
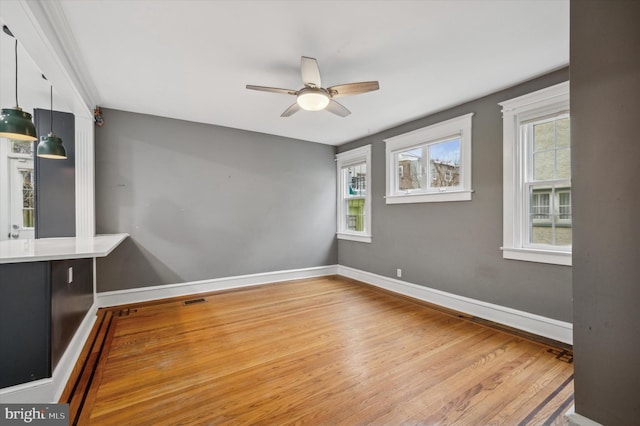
[322,351]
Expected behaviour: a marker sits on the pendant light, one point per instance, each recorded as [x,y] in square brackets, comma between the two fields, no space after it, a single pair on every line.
[50,146]
[14,122]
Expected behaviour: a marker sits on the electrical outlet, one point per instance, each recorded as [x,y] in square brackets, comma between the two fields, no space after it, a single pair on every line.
[70,275]
[399,273]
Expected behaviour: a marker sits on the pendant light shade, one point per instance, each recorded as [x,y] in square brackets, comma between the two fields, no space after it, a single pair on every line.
[15,123]
[50,146]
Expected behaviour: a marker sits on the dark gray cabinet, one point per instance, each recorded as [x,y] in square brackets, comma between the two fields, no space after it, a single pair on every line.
[41,307]
[25,315]
[70,302]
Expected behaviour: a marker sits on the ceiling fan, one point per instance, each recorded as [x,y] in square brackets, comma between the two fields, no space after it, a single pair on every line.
[313,97]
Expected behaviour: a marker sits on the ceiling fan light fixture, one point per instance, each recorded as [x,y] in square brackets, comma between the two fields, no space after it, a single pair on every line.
[313,99]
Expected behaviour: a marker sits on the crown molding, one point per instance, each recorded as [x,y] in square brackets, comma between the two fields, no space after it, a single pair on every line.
[54,27]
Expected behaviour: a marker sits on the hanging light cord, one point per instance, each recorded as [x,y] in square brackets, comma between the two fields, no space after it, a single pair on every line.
[51,92]
[16,49]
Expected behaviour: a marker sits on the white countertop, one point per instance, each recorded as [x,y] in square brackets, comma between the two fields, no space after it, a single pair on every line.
[15,251]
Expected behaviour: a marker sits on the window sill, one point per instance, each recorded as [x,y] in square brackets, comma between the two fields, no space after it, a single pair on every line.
[429,197]
[361,238]
[541,256]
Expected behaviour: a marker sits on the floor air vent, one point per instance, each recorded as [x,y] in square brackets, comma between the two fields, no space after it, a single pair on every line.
[192,301]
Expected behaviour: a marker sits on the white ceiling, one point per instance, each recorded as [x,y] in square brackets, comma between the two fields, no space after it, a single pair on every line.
[191,59]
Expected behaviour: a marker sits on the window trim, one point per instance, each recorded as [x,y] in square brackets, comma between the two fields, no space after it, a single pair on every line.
[454,127]
[345,159]
[515,112]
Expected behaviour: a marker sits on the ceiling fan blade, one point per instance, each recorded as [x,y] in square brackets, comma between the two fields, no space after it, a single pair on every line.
[337,109]
[291,110]
[353,88]
[310,72]
[272,89]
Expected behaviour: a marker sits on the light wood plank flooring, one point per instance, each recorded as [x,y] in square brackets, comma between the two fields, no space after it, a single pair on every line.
[326,351]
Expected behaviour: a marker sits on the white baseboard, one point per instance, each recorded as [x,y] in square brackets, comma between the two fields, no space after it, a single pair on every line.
[49,390]
[143,294]
[532,323]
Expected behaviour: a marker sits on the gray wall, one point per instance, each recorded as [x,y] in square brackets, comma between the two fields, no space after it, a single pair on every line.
[203,201]
[455,246]
[605,106]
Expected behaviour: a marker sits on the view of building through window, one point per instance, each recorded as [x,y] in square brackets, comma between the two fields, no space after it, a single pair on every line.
[430,167]
[549,182]
[356,191]
[22,147]
[28,200]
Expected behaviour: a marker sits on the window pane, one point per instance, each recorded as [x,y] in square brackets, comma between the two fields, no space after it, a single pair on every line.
[564,205]
[550,216]
[540,205]
[28,201]
[540,224]
[542,234]
[354,215]
[543,136]
[444,164]
[564,226]
[563,133]
[356,180]
[563,164]
[22,147]
[544,165]
[411,169]
[27,218]
[550,150]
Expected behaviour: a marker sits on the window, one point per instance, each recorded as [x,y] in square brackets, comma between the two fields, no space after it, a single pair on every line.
[537,177]
[23,147]
[354,186]
[430,164]
[28,202]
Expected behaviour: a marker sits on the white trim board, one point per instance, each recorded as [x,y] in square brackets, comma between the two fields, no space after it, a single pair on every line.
[50,389]
[144,294]
[532,323]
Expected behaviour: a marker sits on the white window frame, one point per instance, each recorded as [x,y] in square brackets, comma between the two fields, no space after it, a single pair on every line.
[343,160]
[543,103]
[458,127]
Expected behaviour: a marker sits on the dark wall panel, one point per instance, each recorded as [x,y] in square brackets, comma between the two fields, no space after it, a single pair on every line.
[605,106]
[55,179]
[25,310]
[70,302]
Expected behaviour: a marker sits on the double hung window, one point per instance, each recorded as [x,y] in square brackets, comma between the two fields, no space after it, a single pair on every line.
[537,177]
[354,194]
